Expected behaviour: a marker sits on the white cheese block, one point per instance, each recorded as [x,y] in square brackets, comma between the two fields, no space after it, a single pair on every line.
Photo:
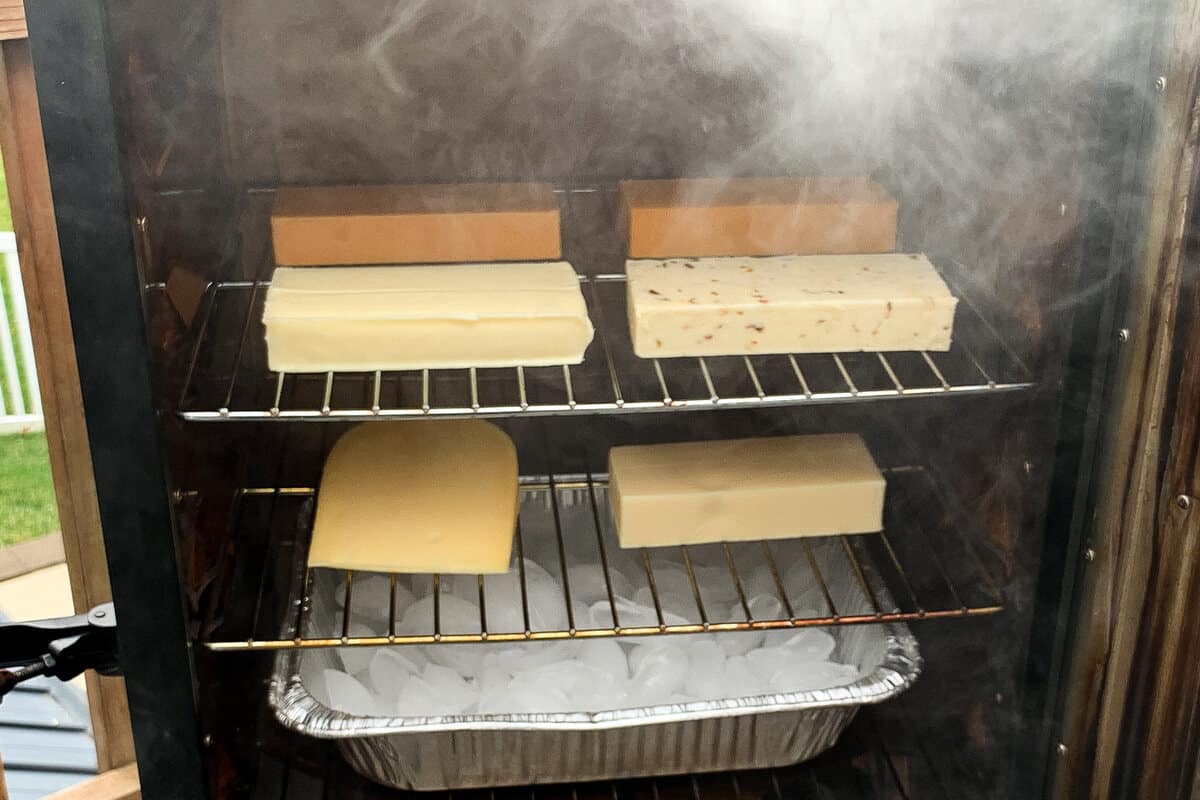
[787,304]
[428,496]
[446,316]
[744,489]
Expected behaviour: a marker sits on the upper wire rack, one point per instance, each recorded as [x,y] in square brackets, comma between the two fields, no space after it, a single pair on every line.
[227,376]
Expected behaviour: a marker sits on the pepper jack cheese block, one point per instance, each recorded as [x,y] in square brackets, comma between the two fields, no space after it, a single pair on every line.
[425,317]
[429,496]
[744,489]
[341,225]
[787,304]
[757,217]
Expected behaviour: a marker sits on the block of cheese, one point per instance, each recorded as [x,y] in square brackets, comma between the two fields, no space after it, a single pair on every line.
[434,224]
[744,489]
[756,217]
[787,304]
[427,496]
[455,315]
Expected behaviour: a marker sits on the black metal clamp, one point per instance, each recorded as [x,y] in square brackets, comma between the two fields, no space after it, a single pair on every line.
[60,648]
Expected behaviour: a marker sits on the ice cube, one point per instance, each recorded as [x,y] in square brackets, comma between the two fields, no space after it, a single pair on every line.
[803,587]
[678,605]
[525,696]
[814,676]
[588,584]
[544,595]
[658,672]
[740,679]
[670,578]
[716,586]
[604,655]
[312,677]
[391,667]
[523,656]
[806,644]
[455,614]
[760,581]
[418,698]
[347,695]
[371,596]
[355,659]
[770,663]
[706,671]
[492,684]
[738,643]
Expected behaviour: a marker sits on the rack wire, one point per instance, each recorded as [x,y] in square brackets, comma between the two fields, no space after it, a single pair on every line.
[924,558]
[227,376]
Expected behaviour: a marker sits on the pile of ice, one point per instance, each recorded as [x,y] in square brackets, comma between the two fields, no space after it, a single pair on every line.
[584,674]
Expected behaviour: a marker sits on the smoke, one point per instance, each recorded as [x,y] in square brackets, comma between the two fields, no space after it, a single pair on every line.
[477,88]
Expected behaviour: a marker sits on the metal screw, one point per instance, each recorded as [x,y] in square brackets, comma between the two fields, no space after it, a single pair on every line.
[1062,209]
[100,615]
[1089,555]
[1062,749]
[1160,83]
[1028,467]
[1183,501]
[141,224]
[1123,335]
[208,740]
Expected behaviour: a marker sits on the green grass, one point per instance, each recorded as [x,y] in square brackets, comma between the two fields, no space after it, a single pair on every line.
[27,508]
[5,209]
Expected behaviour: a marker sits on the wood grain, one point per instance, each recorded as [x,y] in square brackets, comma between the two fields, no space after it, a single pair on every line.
[116,784]
[54,351]
[1141,575]
[12,20]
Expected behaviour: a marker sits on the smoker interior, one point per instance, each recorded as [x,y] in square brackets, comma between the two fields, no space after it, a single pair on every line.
[1010,159]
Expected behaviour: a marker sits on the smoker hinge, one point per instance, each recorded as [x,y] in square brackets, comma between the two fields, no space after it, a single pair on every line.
[59,648]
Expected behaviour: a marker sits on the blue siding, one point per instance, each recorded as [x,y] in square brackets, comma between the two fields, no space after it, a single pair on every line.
[45,739]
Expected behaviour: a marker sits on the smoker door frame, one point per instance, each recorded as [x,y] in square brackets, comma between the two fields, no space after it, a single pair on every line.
[1131,718]
[68,40]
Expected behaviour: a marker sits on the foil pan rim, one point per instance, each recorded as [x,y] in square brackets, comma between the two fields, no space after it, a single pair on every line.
[297,710]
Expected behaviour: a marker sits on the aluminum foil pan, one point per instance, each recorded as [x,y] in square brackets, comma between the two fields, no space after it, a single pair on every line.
[474,750]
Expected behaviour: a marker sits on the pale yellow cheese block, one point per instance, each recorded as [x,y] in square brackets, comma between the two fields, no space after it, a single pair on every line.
[787,304]
[431,316]
[744,489]
[428,496]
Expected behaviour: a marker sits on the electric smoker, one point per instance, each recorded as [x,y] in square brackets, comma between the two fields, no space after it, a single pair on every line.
[1026,146]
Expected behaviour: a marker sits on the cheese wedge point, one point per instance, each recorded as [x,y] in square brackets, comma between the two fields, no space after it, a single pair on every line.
[417,497]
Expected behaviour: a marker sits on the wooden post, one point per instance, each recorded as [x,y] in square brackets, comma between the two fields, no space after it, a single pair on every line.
[50,323]
[1131,715]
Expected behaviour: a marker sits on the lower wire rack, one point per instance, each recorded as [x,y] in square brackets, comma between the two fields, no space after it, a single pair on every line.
[228,379]
[926,558]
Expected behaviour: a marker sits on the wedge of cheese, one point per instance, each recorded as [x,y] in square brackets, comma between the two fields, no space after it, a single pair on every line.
[391,318]
[787,304]
[428,496]
[700,217]
[440,223]
[744,489]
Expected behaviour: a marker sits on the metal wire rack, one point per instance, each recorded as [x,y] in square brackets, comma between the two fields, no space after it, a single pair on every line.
[227,377]
[925,559]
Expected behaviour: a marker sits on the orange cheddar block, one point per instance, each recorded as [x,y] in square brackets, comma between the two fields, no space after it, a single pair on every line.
[433,224]
[698,217]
